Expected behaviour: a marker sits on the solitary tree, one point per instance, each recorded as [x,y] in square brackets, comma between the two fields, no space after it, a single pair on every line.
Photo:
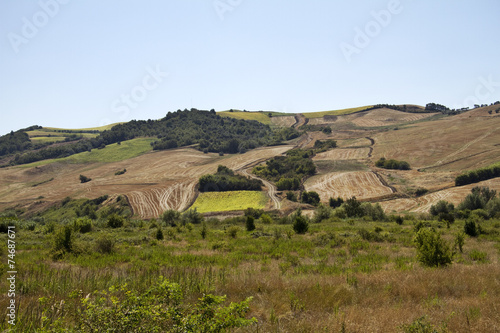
[84,179]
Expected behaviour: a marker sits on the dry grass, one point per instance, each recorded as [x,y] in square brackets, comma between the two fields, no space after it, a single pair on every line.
[326,280]
[361,184]
[465,298]
[335,112]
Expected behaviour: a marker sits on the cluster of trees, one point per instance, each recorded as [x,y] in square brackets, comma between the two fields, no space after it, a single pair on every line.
[350,208]
[288,171]
[317,128]
[402,108]
[481,203]
[392,164]
[475,176]
[311,198]
[226,180]
[14,142]
[57,151]
[211,132]
[320,146]
[436,107]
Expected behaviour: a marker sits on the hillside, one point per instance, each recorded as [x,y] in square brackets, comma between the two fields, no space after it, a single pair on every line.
[206,130]
[438,148]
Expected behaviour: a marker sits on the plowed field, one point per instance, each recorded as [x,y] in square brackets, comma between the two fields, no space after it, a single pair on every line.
[343,154]
[361,184]
[372,118]
[283,121]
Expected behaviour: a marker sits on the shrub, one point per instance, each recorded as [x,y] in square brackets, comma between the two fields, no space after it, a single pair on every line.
[120,172]
[421,191]
[420,224]
[170,217]
[432,250]
[255,213]
[370,236]
[30,226]
[160,308]
[399,220]
[322,213]
[233,231]
[479,214]
[159,234]
[392,164]
[449,218]
[266,219]
[115,221]
[311,198]
[288,184]
[191,216]
[375,212]
[63,242]
[82,225]
[471,229]
[334,203]
[493,207]
[352,207]
[204,230]
[84,179]
[300,224]
[472,201]
[460,241]
[442,206]
[250,223]
[291,196]
[104,245]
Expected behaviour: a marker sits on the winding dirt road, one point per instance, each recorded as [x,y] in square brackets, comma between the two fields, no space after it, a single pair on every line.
[272,191]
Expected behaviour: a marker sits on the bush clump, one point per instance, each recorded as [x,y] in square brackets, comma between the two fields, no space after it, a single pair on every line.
[392,164]
[432,250]
[300,224]
[160,308]
[115,221]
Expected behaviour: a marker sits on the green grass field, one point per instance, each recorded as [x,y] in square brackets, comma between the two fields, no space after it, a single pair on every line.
[100,128]
[335,112]
[227,201]
[112,153]
[259,116]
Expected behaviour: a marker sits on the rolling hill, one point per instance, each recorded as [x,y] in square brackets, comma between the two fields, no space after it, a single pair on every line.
[438,147]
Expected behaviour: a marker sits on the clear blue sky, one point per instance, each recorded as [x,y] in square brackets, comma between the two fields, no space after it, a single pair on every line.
[85,63]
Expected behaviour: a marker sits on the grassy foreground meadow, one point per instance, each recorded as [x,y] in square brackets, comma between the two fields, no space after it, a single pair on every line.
[340,276]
